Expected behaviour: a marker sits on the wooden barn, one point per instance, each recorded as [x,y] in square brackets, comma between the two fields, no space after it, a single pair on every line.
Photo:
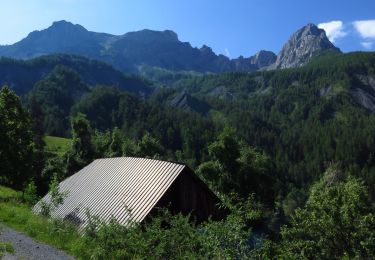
[130,189]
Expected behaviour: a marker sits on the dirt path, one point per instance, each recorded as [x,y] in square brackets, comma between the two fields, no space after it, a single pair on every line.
[27,248]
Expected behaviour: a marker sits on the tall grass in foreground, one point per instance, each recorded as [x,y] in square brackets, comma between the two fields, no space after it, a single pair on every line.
[15,214]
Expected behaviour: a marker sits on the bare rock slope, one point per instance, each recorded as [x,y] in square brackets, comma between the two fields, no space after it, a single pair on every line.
[302,46]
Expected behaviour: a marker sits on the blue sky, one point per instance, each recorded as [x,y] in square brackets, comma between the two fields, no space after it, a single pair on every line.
[231,27]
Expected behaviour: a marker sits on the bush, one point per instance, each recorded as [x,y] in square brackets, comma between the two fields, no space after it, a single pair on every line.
[30,196]
[57,198]
[169,236]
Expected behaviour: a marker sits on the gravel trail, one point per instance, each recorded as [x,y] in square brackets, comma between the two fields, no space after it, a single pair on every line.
[27,248]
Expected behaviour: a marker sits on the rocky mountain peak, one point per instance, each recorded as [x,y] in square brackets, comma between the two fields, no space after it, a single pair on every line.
[303,45]
[205,48]
[58,30]
[263,58]
[66,26]
[147,35]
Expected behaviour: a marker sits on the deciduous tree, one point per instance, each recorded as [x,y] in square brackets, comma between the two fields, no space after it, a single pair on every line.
[16,141]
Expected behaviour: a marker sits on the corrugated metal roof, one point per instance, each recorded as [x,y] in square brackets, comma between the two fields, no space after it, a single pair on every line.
[122,188]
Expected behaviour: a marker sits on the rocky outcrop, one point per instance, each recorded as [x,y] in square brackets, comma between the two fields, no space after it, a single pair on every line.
[364,98]
[325,90]
[260,60]
[367,80]
[263,59]
[304,44]
[364,91]
[221,93]
[186,102]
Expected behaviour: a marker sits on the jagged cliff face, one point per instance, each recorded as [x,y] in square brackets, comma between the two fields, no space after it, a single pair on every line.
[162,49]
[186,102]
[260,60]
[263,59]
[131,51]
[304,44]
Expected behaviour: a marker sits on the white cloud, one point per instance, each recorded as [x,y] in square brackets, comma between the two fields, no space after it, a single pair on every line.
[367,45]
[334,30]
[365,28]
[227,53]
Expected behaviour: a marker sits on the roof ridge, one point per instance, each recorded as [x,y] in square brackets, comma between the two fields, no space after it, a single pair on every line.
[144,158]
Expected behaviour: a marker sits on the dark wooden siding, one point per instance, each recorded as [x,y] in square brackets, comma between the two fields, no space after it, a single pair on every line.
[188,194]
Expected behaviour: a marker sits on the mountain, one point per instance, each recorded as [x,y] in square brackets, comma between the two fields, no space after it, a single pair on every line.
[131,51]
[263,58]
[302,46]
[158,51]
[61,37]
[260,60]
[22,75]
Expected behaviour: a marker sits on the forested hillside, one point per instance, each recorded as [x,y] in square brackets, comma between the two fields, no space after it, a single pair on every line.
[22,75]
[290,151]
[303,118]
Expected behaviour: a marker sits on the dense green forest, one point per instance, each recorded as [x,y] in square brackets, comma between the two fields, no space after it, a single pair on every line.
[21,75]
[291,152]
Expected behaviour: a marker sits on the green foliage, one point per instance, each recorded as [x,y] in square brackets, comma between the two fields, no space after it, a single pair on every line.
[173,236]
[56,198]
[226,150]
[81,143]
[336,222]
[101,142]
[129,147]
[235,166]
[82,151]
[5,248]
[17,215]
[302,118]
[211,170]
[296,198]
[57,145]
[55,95]
[165,236]
[148,146]
[54,166]
[9,195]
[17,141]
[108,107]
[115,148]
[30,195]
[24,74]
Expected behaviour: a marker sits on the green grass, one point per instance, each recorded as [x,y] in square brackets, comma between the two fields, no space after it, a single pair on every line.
[5,247]
[57,145]
[19,216]
[7,194]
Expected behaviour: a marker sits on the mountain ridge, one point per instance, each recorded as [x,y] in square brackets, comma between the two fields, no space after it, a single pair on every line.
[131,51]
[126,52]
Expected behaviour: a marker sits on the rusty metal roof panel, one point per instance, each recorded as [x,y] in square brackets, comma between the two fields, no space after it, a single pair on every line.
[123,188]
